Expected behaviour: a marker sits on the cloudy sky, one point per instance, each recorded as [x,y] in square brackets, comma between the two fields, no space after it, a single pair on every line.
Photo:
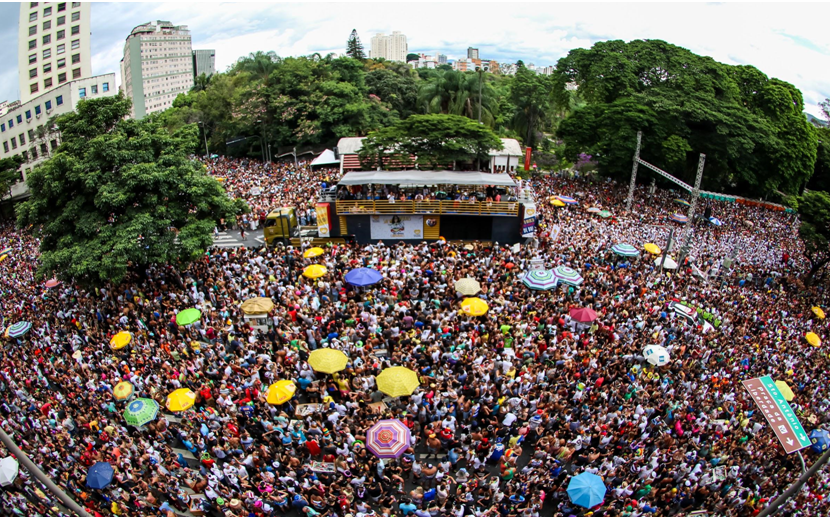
[782,40]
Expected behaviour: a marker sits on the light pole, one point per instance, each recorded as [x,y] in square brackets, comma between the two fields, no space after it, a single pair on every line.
[204,131]
[264,151]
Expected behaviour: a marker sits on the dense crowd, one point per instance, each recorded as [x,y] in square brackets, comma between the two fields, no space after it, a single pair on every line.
[510,406]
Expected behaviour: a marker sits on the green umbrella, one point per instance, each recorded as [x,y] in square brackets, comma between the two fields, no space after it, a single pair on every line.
[188,316]
[140,412]
[605,214]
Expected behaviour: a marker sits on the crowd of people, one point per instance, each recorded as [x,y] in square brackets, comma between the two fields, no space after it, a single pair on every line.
[511,405]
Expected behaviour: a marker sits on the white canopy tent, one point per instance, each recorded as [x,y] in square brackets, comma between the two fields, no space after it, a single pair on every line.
[325,158]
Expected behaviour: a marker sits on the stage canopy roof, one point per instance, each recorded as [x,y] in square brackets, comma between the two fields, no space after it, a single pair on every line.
[413,177]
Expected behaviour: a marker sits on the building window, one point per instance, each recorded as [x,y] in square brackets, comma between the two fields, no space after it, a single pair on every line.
[76,58]
[105,87]
[48,105]
[11,123]
[61,49]
[61,62]
[37,109]
[32,44]
[33,16]
[60,34]
[24,153]
[31,134]
[76,29]
[34,152]
[76,4]
[32,58]
[94,89]
[20,119]
[47,68]
[76,73]
[47,83]
[61,20]
[47,11]
[32,30]
[76,44]
[76,16]
[28,114]
[47,39]
[3,127]
[5,147]
[14,143]
[59,100]
[32,73]
[61,78]
[53,144]
[62,7]
[47,53]
[32,5]
[47,25]
[33,88]
[43,149]
[82,92]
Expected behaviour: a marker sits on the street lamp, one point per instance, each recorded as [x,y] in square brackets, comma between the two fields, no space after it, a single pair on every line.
[204,131]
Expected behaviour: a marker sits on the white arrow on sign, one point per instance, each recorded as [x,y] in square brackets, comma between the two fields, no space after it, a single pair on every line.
[789,441]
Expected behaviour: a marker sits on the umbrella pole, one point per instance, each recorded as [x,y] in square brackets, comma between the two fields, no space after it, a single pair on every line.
[43,478]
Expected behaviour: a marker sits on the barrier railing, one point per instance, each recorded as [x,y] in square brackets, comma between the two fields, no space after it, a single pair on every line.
[502,208]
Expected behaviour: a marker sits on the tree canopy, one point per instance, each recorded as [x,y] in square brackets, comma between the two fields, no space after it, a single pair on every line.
[437,141]
[120,194]
[814,212]
[751,127]
[354,49]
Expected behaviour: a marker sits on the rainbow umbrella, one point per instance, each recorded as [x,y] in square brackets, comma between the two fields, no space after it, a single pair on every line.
[122,391]
[567,200]
[682,202]
[388,438]
[679,218]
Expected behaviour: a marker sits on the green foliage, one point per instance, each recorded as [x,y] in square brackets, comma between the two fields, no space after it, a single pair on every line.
[118,193]
[354,49]
[436,140]
[756,140]
[9,173]
[457,93]
[412,57]
[814,211]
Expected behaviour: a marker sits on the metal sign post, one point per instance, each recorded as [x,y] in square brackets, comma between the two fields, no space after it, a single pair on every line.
[634,173]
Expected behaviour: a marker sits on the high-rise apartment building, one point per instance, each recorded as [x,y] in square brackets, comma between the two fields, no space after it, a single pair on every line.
[391,48]
[53,46]
[472,53]
[157,66]
[204,62]
[442,59]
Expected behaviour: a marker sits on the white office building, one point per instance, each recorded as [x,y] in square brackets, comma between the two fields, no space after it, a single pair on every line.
[53,46]
[157,66]
[391,48]
[26,128]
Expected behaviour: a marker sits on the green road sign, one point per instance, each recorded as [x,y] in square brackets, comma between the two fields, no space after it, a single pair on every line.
[778,413]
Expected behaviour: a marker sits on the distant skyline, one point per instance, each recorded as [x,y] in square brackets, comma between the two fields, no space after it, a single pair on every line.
[775,38]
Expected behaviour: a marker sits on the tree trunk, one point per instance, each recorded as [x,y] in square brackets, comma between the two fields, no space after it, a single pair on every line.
[811,275]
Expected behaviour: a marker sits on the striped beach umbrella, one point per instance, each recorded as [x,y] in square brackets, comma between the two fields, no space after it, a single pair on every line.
[594,210]
[19,329]
[679,218]
[567,200]
[388,438]
[540,280]
[682,202]
[605,214]
[625,250]
[568,276]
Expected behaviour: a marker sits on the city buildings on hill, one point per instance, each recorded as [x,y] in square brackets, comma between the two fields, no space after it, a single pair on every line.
[204,62]
[157,66]
[53,46]
[472,53]
[392,47]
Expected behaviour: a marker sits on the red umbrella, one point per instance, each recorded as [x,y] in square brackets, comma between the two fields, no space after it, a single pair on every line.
[583,315]
[52,283]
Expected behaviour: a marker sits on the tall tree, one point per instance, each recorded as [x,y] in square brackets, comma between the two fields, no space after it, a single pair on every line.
[354,49]
[814,211]
[121,194]
[9,173]
[531,96]
[457,93]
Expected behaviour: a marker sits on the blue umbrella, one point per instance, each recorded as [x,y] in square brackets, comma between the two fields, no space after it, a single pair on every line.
[586,490]
[99,475]
[363,276]
[715,221]
[820,439]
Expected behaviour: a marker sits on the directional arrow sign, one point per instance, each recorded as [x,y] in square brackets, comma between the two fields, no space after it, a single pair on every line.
[778,413]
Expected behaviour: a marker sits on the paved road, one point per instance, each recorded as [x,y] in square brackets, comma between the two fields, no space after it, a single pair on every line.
[232,239]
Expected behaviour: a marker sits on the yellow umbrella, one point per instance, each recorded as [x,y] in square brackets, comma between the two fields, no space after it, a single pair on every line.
[180,400]
[314,271]
[818,312]
[785,390]
[474,306]
[397,381]
[122,391]
[556,202]
[467,286]
[4,257]
[813,338]
[120,340]
[281,392]
[327,360]
[652,248]
[257,306]
[313,252]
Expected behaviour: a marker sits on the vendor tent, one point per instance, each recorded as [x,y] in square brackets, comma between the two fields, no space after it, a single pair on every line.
[326,158]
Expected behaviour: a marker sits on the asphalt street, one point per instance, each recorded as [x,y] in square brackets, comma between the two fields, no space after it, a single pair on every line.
[233,239]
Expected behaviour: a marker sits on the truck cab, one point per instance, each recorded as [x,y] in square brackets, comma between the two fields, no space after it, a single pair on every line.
[280,226]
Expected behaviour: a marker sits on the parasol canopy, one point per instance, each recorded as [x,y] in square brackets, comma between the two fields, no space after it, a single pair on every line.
[568,276]
[327,360]
[257,306]
[594,210]
[668,263]
[584,315]
[656,355]
[819,312]
[188,316]
[679,218]
[19,329]
[625,250]
[474,306]
[567,200]
[120,340]
[813,339]
[820,440]
[52,282]
[314,271]
[99,475]
[123,390]
[313,252]
[682,202]
[388,438]
[141,412]
[586,490]
[467,286]
[556,202]
[652,248]
[540,280]
[715,221]
[363,276]
[281,392]
[9,468]
[397,381]
[785,390]
[180,400]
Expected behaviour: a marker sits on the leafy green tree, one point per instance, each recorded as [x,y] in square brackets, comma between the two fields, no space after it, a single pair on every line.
[531,96]
[437,141]
[814,211]
[457,93]
[412,57]
[354,49]
[201,83]
[9,173]
[120,194]
[399,91]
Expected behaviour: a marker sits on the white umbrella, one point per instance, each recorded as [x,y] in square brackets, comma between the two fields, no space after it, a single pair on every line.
[656,355]
[8,470]
[668,264]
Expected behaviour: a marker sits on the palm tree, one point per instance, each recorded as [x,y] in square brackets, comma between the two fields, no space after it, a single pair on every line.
[457,93]
[259,64]
[201,83]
